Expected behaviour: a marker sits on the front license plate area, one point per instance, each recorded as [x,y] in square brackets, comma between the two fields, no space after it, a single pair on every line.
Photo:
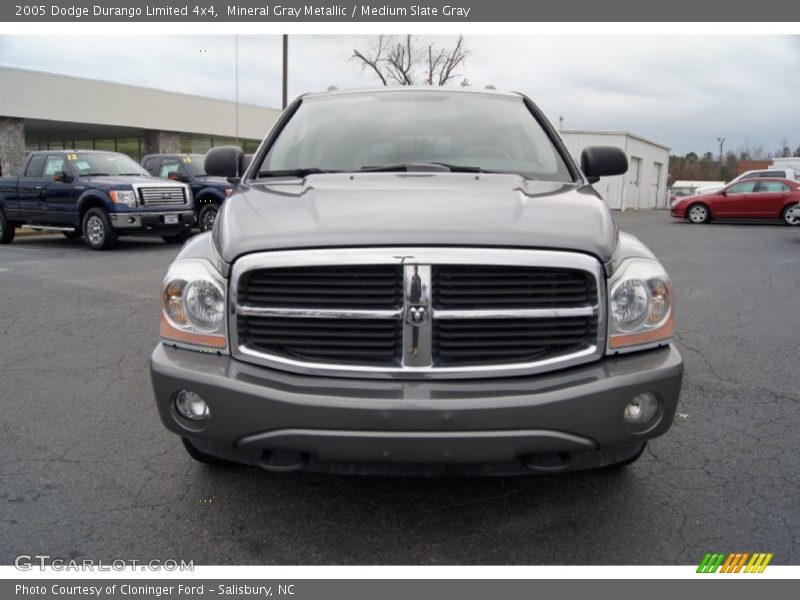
[170,219]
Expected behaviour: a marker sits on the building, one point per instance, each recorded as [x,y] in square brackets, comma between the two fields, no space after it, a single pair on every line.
[40,111]
[644,185]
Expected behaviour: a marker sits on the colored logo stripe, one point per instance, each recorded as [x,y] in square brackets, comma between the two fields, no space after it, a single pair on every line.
[733,563]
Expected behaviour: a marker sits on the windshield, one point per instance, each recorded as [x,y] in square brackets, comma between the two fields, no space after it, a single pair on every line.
[105,163]
[351,132]
[194,163]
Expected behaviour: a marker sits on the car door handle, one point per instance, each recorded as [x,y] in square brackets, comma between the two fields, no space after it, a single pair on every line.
[38,187]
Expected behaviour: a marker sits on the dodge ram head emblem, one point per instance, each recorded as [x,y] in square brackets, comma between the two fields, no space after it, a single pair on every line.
[417,314]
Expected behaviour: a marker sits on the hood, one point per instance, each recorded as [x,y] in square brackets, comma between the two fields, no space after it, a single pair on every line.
[414,209]
[126,180]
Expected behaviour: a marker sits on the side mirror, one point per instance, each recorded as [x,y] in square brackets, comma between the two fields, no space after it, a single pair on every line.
[602,161]
[225,161]
[62,176]
[177,176]
[723,192]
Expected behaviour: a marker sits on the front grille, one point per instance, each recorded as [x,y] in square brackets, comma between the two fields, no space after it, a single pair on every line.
[418,312]
[162,196]
[479,341]
[356,286]
[345,341]
[499,286]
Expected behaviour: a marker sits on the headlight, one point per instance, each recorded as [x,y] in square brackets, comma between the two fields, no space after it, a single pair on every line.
[127,197]
[189,198]
[639,305]
[193,305]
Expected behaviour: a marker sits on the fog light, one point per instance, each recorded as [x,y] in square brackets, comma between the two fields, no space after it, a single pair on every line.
[641,410]
[191,406]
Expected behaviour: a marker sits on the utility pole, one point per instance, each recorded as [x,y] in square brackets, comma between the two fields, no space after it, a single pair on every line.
[236,84]
[721,141]
[285,69]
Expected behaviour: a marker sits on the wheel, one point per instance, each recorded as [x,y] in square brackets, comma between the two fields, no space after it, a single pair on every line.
[698,213]
[7,231]
[177,238]
[630,460]
[97,230]
[72,235]
[208,214]
[786,219]
[202,457]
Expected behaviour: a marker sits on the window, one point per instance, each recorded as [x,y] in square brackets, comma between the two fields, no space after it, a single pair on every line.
[351,131]
[745,187]
[772,186]
[53,165]
[35,166]
[771,174]
[151,164]
[168,167]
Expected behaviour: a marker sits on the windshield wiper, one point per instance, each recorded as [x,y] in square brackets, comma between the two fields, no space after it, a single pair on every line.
[430,167]
[293,172]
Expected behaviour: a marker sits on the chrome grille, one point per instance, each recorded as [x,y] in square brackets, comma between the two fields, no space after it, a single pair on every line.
[162,196]
[418,312]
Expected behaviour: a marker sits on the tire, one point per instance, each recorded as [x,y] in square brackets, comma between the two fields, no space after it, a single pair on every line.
[629,461]
[97,230]
[177,238]
[72,235]
[786,220]
[204,458]
[698,213]
[7,231]
[207,216]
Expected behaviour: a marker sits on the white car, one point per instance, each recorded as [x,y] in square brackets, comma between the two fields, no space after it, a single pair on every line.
[783,173]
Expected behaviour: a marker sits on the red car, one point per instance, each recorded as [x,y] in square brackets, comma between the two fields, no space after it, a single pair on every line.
[763,198]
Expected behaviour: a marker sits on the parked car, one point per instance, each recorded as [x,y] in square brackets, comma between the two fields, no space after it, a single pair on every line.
[748,199]
[97,195]
[780,173]
[390,291]
[209,192]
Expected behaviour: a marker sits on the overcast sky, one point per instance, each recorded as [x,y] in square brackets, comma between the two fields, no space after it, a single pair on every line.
[683,91]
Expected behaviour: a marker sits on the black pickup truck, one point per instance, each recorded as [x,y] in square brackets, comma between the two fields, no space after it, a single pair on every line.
[97,195]
[209,192]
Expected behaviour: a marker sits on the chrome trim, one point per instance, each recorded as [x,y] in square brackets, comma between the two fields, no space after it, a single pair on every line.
[422,257]
[417,323]
[317,313]
[187,193]
[516,313]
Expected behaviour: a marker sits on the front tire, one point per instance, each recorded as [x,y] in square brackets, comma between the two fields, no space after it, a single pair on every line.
[202,457]
[630,460]
[7,231]
[208,214]
[97,230]
[786,219]
[178,238]
[698,213]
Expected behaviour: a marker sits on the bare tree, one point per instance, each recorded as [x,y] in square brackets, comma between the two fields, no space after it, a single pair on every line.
[403,62]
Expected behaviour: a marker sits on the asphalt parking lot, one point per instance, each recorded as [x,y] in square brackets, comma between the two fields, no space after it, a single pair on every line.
[87,470]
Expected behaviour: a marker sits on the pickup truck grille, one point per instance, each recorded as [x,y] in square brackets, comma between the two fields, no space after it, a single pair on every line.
[162,196]
[414,312]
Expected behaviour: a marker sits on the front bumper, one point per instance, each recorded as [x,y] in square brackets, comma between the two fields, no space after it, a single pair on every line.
[153,221]
[557,421]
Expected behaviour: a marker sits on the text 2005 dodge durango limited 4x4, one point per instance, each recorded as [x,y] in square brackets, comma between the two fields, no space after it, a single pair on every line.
[416,281]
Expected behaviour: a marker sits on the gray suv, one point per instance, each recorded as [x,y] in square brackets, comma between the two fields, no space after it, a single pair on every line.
[416,281]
